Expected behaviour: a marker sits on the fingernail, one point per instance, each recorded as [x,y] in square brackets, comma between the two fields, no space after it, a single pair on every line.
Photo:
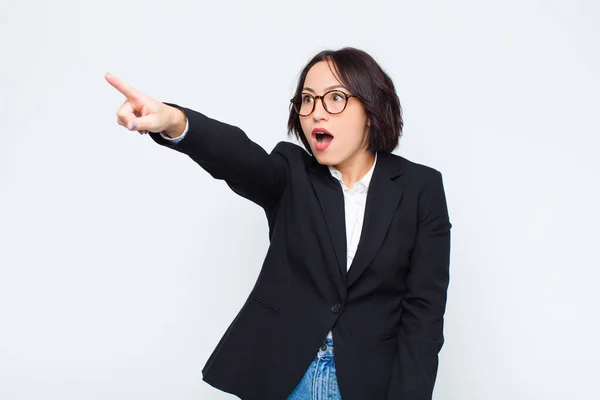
[132,126]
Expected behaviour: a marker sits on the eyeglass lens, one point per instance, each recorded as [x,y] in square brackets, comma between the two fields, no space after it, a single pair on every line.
[334,103]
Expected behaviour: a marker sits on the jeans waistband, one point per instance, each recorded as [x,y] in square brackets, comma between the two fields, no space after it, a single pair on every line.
[326,349]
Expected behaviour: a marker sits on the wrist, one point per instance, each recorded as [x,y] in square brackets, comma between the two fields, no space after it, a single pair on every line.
[178,122]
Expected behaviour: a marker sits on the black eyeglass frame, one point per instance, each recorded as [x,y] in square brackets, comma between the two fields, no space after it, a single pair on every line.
[296,104]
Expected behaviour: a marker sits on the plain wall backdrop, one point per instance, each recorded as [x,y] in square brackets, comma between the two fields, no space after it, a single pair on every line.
[122,262]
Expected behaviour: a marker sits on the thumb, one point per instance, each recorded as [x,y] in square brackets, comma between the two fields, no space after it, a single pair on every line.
[146,123]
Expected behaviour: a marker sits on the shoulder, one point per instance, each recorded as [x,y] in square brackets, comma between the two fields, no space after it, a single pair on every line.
[292,152]
[419,174]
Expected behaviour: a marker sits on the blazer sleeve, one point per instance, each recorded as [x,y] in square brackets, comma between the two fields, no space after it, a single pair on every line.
[421,331]
[226,153]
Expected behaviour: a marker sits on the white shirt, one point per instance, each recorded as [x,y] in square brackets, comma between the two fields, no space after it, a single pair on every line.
[355,199]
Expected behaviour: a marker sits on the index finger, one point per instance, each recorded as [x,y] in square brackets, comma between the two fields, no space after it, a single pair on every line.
[122,87]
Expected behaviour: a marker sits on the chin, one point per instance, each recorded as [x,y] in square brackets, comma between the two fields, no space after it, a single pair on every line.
[326,159]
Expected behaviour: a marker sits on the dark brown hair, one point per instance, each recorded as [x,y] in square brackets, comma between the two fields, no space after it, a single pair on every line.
[363,77]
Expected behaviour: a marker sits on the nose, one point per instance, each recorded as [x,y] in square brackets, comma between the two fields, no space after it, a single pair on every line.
[319,112]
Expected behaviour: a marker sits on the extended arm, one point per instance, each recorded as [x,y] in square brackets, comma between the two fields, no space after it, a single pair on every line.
[226,153]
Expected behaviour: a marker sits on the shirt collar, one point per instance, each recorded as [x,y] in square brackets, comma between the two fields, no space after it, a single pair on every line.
[363,184]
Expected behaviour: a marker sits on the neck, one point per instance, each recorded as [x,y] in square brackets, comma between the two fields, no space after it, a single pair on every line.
[356,167]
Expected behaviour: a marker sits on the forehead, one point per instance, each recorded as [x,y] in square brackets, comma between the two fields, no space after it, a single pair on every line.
[320,76]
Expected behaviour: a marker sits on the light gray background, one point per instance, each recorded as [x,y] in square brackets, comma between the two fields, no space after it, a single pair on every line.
[123,262]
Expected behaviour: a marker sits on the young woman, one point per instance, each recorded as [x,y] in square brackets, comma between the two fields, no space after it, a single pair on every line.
[359,240]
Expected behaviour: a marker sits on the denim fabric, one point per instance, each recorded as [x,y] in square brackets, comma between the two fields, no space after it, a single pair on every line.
[319,381]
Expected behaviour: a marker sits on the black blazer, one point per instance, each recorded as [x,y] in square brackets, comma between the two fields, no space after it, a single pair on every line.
[386,311]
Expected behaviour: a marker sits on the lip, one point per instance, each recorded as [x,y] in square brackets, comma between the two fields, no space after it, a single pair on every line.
[320,146]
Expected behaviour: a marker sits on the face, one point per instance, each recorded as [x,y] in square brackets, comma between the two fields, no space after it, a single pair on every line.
[348,130]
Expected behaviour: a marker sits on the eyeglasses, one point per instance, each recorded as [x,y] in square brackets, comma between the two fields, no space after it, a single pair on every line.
[334,102]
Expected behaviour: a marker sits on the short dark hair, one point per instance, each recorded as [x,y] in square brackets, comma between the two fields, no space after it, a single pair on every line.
[361,74]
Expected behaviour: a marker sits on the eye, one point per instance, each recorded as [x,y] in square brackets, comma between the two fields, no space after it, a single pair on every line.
[338,96]
[307,98]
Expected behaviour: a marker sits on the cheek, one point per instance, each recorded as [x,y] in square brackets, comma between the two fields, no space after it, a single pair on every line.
[355,128]
[355,123]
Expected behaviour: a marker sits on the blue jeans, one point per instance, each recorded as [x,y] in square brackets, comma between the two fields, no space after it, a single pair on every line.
[319,381]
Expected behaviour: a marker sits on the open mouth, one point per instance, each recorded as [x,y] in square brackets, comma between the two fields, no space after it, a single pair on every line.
[322,138]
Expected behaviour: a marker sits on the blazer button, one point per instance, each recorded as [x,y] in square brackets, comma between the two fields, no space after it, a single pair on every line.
[336,308]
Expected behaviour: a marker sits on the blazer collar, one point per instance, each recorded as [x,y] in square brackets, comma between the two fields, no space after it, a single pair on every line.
[383,196]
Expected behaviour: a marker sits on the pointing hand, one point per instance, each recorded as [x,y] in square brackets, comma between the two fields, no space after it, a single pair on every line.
[141,112]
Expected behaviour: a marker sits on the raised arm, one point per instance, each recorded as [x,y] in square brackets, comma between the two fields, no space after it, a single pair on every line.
[223,150]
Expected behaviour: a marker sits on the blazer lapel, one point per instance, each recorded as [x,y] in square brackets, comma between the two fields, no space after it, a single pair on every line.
[383,198]
[331,198]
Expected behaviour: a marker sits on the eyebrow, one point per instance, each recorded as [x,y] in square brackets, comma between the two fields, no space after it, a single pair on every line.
[326,89]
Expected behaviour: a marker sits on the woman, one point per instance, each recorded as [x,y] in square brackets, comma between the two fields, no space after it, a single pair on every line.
[358,264]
